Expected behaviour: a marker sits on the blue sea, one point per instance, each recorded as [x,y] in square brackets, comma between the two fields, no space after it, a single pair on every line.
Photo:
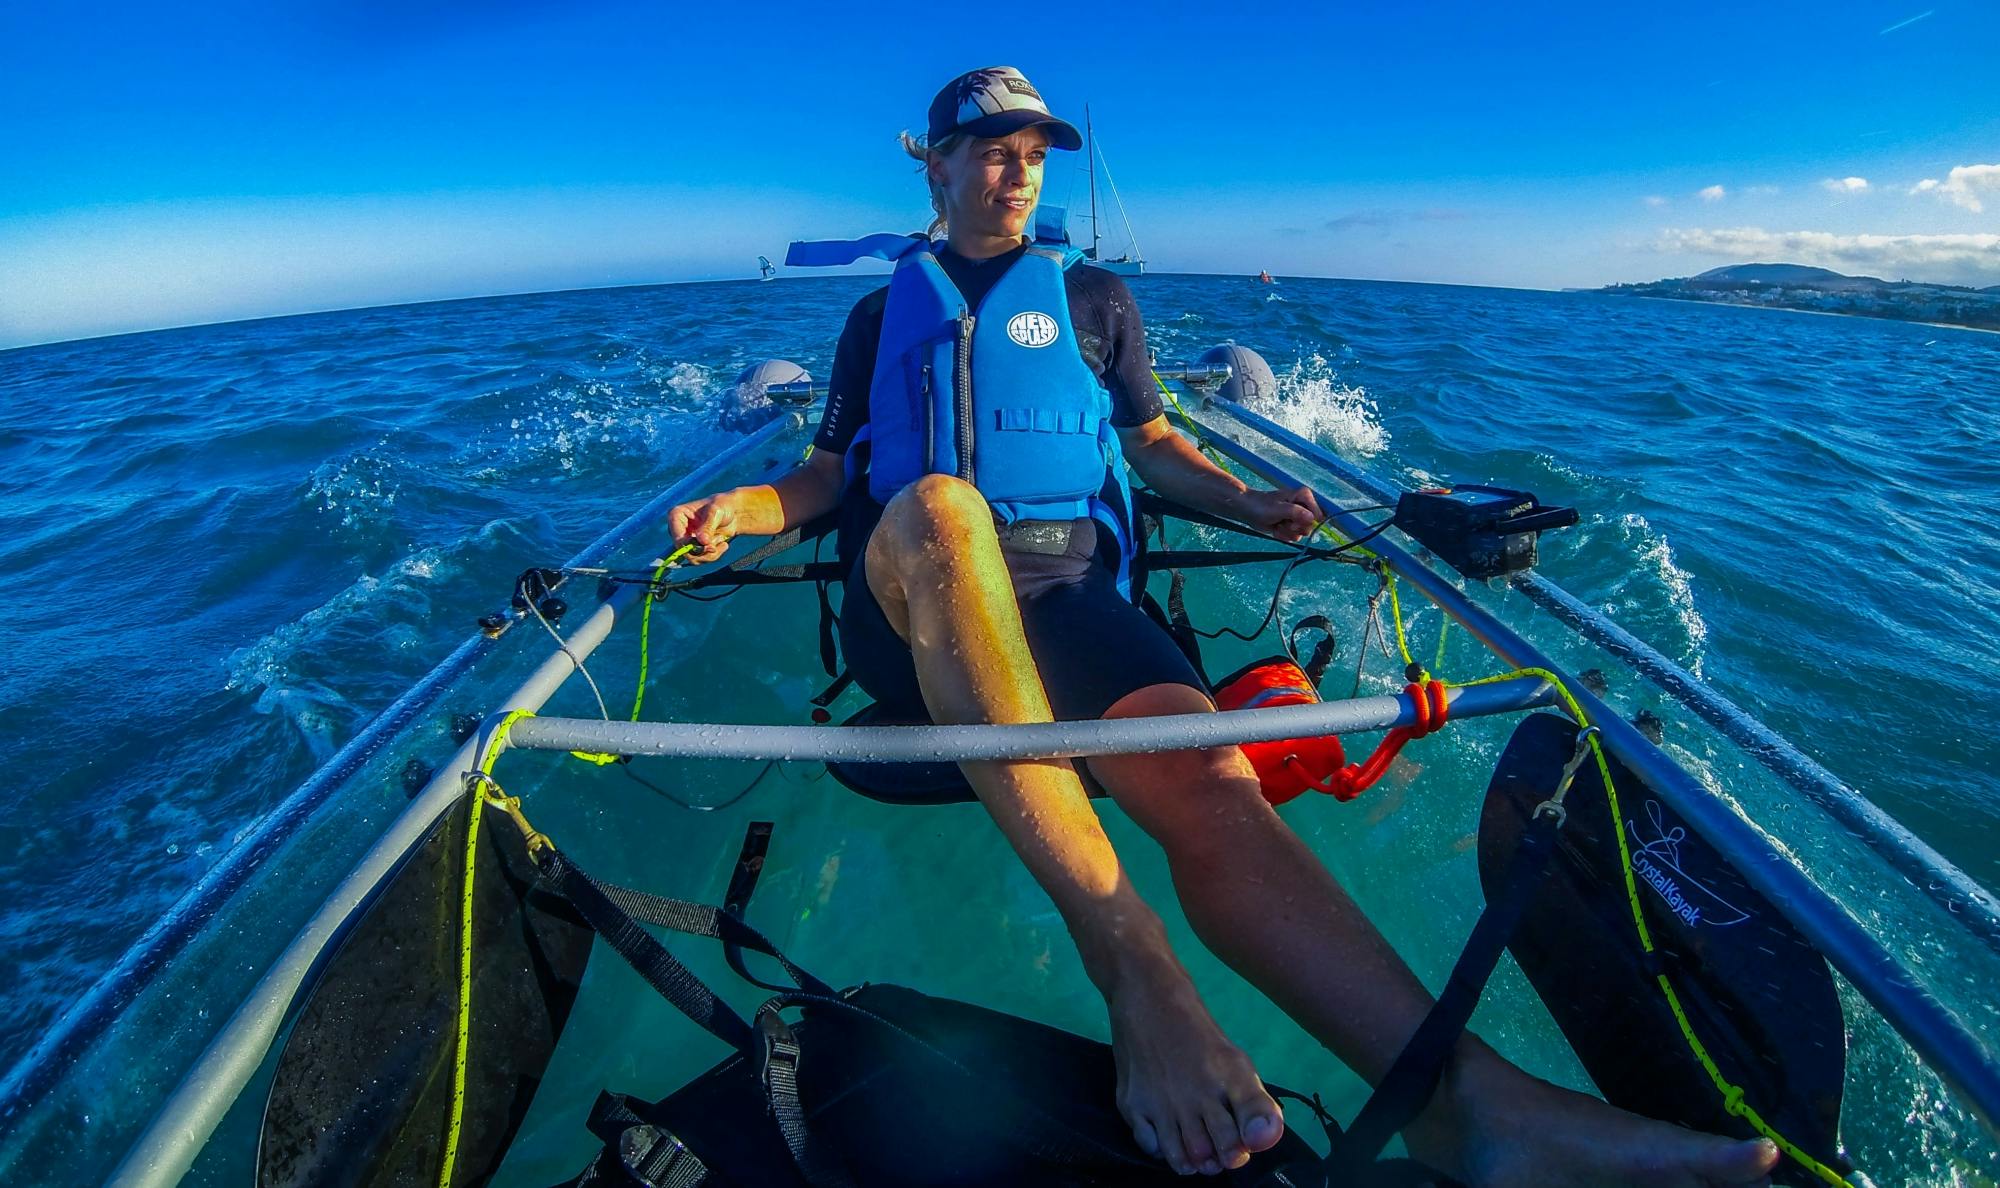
[229,546]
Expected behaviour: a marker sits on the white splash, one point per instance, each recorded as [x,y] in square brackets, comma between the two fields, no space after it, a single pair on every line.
[1313,402]
[357,490]
[1655,561]
[267,665]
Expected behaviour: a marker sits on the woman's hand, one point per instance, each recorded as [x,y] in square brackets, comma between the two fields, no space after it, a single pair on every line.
[1287,515]
[708,523]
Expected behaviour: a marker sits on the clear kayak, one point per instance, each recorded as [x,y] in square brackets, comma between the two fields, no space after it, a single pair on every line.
[1627,884]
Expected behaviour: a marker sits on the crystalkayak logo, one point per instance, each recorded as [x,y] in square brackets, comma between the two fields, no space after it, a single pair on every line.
[1657,863]
[1032,329]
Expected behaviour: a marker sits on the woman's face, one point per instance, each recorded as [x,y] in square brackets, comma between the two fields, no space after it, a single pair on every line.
[991,186]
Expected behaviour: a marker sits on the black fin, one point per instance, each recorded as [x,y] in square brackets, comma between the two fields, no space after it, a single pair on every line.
[1759,996]
[362,1092]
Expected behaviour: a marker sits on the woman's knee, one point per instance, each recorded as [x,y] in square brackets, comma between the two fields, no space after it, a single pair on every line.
[937,503]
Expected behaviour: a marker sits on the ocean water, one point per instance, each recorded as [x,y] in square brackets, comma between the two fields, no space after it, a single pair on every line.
[229,546]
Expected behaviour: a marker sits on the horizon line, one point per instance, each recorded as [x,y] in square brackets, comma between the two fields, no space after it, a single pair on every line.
[308,313]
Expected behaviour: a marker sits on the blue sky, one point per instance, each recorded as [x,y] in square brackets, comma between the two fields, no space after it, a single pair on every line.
[165,166]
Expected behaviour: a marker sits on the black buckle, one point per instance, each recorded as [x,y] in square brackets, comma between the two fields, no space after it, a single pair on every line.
[780,1047]
[652,1156]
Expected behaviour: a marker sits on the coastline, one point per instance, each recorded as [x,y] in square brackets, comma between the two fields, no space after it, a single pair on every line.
[1824,313]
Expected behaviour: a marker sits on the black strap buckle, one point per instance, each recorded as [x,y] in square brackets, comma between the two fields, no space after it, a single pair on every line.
[658,1158]
[780,1051]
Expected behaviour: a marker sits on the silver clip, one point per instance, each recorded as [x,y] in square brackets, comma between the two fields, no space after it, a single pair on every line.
[1553,806]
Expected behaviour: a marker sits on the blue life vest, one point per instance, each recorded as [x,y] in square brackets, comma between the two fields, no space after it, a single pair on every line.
[999,396]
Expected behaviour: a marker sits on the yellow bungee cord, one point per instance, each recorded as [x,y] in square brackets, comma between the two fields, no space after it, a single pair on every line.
[480,786]
[645,645]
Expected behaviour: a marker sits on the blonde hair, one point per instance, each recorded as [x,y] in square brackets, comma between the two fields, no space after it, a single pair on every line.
[920,150]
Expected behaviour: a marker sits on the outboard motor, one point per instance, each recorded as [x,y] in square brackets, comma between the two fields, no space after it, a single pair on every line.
[1250,377]
[748,407]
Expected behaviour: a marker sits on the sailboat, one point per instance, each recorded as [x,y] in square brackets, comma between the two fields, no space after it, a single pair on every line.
[1052,221]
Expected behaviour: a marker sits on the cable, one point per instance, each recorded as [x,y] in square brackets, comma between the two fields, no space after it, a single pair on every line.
[603,710]
[650,786]
[1305,555]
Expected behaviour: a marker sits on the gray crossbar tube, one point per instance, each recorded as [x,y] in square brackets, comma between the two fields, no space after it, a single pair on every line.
[165,1152]
[87,1018]
[1931,1030]
[1045,740]
[1970,904]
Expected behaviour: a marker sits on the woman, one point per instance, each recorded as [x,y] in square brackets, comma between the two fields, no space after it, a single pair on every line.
[985,589]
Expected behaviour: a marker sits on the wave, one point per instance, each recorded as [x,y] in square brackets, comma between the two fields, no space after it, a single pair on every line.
[1637,591]
[1313,402]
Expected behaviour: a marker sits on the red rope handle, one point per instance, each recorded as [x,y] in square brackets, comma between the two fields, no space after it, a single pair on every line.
[1432,708]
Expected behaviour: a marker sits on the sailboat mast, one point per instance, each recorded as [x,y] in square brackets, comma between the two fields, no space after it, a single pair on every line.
[1090,163]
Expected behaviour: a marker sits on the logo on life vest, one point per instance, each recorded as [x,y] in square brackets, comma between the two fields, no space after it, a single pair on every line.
[1032,329]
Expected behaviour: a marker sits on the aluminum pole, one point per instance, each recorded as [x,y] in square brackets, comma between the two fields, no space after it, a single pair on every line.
[1042,740]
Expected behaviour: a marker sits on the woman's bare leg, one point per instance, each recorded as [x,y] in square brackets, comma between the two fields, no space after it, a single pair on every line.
[934,566]
[1267,906]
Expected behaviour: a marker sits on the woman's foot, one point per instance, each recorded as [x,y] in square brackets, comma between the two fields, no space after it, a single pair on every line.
[1190,1096]
[1494,1126]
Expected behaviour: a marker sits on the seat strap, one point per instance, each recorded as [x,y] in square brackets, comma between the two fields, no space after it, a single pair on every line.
[674,981]
[778,1069]
[742,885]
[1152,503]
[699,919]
[1407,1087]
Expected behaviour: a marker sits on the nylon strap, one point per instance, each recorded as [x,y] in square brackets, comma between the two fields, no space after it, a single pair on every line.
[662,972]
[778,1068]
[1153,503]
[1407,1087]
[742,885]
[699,919]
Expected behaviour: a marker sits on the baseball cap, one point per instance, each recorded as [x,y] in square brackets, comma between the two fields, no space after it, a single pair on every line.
[994,102]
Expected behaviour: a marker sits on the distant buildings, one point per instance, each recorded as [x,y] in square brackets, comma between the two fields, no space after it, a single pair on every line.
[1793,286]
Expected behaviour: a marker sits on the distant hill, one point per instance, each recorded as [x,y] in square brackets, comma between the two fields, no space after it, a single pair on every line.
[1788,274]
[1798,286]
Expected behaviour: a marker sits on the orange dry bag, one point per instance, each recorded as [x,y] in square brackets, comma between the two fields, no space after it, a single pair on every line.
[1289,766]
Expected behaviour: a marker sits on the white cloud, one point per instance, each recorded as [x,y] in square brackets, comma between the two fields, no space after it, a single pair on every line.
[1655,201]
[1960,186]
[1845,185]
[1762,190]
[1926,257]
[1712,194]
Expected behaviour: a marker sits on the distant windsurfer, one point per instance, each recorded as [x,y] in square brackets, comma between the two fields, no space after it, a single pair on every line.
[997,599]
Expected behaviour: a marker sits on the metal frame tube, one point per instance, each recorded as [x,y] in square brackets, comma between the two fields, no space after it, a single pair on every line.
[1043,740]
[169,1146]
[1970,904]
[1931,1030]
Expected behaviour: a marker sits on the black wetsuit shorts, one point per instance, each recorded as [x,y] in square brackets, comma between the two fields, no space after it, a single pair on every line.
[1091,644]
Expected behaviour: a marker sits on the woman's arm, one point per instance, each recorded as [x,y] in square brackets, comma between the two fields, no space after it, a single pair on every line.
[802,495]
[1170,464]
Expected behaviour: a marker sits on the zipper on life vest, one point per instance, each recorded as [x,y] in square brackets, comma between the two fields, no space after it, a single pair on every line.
[929,414]
[963,391]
